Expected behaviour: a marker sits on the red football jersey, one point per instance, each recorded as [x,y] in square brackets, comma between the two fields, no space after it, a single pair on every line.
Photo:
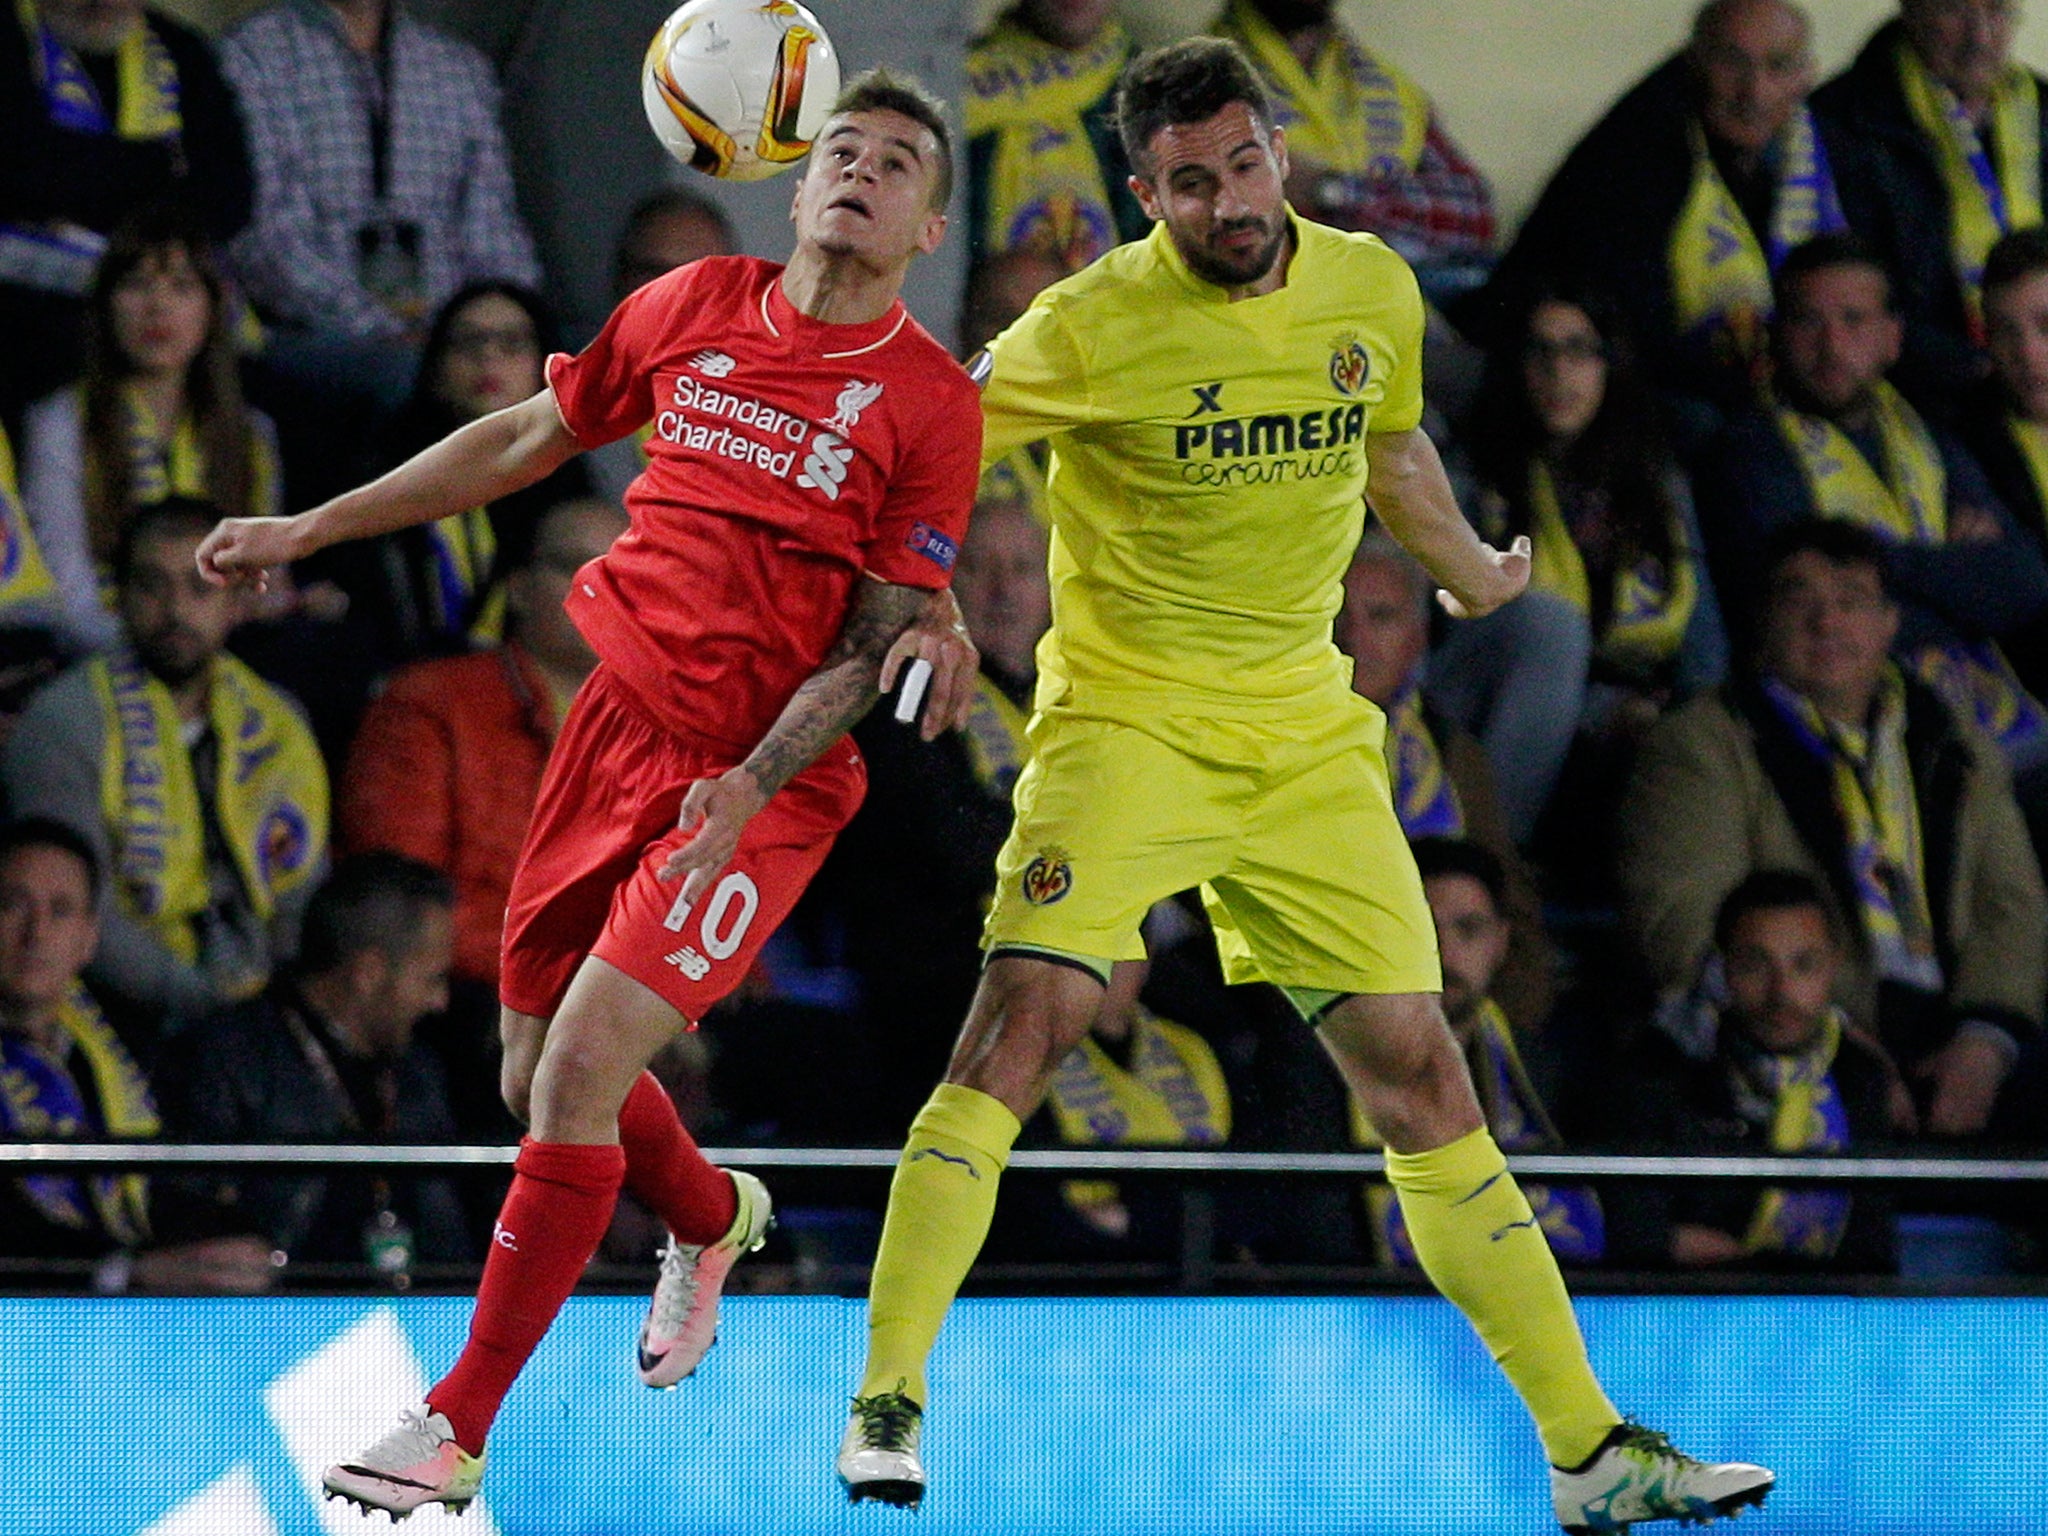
[788,457]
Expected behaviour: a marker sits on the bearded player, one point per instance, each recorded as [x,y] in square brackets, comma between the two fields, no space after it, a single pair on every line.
[1216,397]
[811,467]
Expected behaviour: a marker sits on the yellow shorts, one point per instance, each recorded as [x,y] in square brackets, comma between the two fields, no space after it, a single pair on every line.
[1291,833]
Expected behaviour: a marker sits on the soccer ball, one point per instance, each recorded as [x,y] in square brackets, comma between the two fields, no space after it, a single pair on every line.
[738,88]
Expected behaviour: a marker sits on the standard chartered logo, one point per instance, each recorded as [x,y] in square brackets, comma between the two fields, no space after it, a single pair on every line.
[825,469]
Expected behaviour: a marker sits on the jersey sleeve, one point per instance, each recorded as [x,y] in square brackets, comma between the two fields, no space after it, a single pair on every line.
[1037,385]
[606,391]
[924,515]
[1401,409]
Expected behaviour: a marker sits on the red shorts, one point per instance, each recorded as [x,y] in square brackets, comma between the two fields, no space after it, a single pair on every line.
[605,822]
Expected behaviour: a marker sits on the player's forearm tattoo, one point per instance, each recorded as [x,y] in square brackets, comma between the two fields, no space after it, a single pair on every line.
[844,688]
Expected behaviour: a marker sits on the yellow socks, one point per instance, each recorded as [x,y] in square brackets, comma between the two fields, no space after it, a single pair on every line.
[940,1205]
[1480,1245]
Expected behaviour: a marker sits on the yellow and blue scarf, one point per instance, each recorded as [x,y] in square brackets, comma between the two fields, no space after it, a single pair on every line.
[996,745]
[1425,799]
[164,464]
[40,1100]
[1992,190]
[148,83]
[1355,113]
[1046,186]
[1720,271]
[1973,677]
[24,578]
[463,555]
[1651,603]
[1872,786]
[1173,1094]
[1570,1217]
[1797,1092]
[271,796]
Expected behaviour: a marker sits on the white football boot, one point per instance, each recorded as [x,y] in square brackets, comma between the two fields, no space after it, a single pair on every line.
[878,1453]
[417,1463]
[1637,1475]
[682,1320]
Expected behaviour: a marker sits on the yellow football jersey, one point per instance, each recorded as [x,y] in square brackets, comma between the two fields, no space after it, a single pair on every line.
[1208,471]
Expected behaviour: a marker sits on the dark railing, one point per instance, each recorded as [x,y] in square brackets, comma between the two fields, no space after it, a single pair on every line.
[1197,1268]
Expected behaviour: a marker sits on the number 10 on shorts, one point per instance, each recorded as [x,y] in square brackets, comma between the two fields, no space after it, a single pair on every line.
[728,914]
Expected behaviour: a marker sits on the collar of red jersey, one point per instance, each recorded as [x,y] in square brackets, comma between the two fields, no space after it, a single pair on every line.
[784,318]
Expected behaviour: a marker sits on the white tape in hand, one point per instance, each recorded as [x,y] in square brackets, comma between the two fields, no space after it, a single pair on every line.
[911,692]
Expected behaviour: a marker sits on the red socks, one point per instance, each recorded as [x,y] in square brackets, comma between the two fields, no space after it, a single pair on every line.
[553,1218]
[667,1173]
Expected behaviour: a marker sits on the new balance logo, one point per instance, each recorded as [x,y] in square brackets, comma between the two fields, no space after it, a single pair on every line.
[713,364]
[690,963]
[825,469]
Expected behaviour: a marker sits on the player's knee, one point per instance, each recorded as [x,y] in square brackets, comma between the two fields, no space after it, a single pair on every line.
[1396,1058]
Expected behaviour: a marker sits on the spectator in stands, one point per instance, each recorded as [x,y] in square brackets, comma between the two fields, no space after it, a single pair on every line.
[1952,146]
[159,413]
[1834,761]
[382,186]
[1783,1072]
[28,592]
[105,106]
[1442,784]
[666,230]
[1135,1079]
[1045,169]
[327,1053]
[1567,447]
[66,1075]
[1682,201]
[2007,427]
[1840,442]
[1365,148]
[999,289]
[447,764]
[919,859]
[196,784]
[1467,891]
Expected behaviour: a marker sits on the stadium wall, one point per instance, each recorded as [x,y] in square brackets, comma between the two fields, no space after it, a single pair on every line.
[1307,1417]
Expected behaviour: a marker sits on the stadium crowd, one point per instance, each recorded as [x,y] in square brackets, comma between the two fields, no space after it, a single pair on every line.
[1732,826]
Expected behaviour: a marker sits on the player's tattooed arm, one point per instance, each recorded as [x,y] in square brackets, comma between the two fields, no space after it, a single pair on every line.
[827,705]
[1411,494]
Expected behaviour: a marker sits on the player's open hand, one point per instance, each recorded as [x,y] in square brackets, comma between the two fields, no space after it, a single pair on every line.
[1498,584]
[939,636]
[715,813]
[243,551]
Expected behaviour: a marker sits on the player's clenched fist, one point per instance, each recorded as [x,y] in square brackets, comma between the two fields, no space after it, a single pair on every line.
[246,549]
[1495,586]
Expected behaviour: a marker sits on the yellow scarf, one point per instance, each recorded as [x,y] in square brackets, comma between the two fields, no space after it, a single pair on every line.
[1912,505]
[1046,189]
[1173,1094]
[1425,799]
[1018,477]
[2031,438]
[144,71]
[1720,271]
[464,551]
[996,745]
[1651,604]
[1991,190]
[23,576]
[1807,1115]
[271,795]
[162,465]
[40,1100]
[1872,783]
[1355,114]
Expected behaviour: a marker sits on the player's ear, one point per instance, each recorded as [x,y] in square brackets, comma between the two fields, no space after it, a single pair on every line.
[1278,137]
[933,233]
[1148,200]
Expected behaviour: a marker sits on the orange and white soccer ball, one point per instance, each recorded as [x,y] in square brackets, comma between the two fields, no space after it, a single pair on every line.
[739,88]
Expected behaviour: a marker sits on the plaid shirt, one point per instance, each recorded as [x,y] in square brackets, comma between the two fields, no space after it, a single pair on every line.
[1440,211]
[307,98]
